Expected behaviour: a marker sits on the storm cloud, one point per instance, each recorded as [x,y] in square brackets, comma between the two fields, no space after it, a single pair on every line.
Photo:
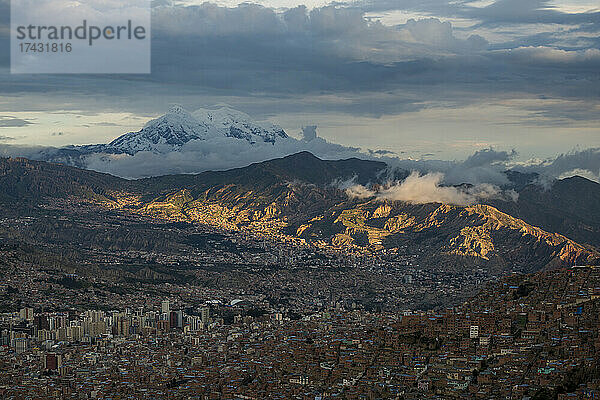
[210,50]
[354,62]
[12,122]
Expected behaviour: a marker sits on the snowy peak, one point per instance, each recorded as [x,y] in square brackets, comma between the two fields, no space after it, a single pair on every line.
[177,127]
[177,109]
[166,133]
[234,123]
[172,131]
[220,115]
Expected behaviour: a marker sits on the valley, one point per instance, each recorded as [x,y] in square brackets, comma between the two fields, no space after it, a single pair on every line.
[278,229]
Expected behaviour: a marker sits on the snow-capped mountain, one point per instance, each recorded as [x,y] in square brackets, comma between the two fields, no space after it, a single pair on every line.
[172,131]
[166,133]
[234,123]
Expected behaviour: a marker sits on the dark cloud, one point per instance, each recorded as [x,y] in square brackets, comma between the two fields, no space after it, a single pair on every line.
[488,157]
[531,11]
[500,12]
[484,166]
[249,48]
[381,152]
[12,122]
[577,162]
[309,133]
[268,62]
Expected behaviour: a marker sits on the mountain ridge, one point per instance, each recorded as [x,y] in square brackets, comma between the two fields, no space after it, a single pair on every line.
[292,198]
[170,132]
[570,206]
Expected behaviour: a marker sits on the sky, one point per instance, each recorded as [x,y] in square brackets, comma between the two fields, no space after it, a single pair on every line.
[425,79]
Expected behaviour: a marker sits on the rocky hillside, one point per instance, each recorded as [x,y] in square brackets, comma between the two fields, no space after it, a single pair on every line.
[570,206]
[326,217]
[293,198]
[23,182]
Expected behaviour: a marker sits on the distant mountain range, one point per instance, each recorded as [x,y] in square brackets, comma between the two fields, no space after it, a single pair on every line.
[172,131]
[570,206]
[292,198]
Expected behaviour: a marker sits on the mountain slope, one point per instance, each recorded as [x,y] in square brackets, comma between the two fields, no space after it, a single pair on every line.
[479,234]
[292,198]
[570,206]
[24,181]
[303,167]
[171,132]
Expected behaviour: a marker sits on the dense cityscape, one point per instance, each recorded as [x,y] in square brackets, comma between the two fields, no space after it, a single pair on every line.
[299,200]
[523,337]
[71,265]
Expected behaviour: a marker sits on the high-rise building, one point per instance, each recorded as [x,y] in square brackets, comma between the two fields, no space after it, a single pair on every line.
[163,325]
[41,322]
[205,314]
[121,324]
[74,333]
[165,307]
[57,321]
[173,319]
[194,322]
[26,313]
[179,318]
[20,344]
[474,331]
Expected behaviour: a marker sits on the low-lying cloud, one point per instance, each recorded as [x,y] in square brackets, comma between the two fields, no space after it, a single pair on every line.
[483,166]
[481,176]
[429,188]
[584,163]
[585,173]
[216,153]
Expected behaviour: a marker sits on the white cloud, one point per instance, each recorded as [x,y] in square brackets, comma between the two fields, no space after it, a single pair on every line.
[429,188]
[215,153]
[420,189]
[586,173]
[585,163]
